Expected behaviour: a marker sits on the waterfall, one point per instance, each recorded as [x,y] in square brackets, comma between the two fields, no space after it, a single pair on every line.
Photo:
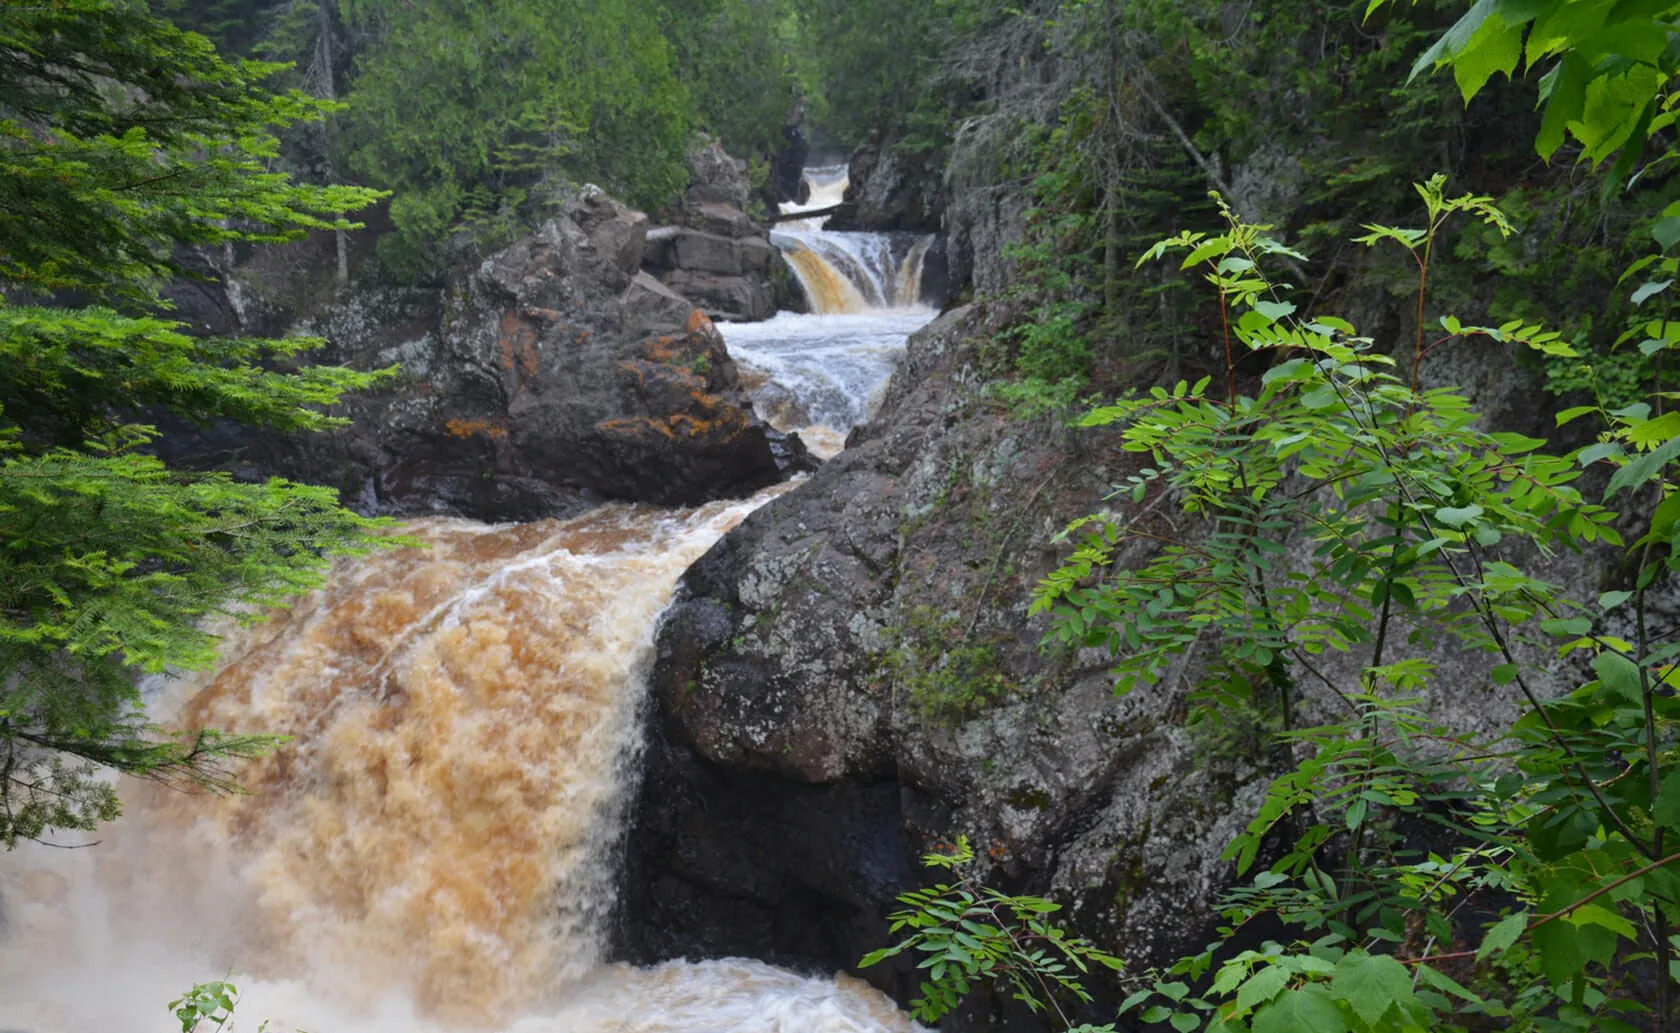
[853,272]
[822,374]
[433,850]
[845,272]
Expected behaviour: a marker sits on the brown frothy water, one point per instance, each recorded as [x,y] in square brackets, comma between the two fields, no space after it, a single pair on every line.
[439,833]
[828,288]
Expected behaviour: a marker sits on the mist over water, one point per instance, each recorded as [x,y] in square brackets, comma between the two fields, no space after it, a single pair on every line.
[434,849]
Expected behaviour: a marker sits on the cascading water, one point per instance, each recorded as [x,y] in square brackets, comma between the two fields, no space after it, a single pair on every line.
[434,848]
[821,373]
[848,272]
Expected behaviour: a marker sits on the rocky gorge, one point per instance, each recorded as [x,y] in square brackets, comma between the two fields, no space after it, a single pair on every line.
[850,678]
[1160,470]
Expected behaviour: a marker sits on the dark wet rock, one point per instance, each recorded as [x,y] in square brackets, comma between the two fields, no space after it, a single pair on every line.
[787,167]
[725,297]
[800,758]
[702,252]
[724,221]
[890,190]
[553,375]
[722,261]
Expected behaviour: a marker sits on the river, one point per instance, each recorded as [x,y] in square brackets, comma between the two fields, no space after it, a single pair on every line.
[435,848]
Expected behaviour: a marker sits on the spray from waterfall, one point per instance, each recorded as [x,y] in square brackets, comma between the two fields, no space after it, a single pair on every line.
[434,848]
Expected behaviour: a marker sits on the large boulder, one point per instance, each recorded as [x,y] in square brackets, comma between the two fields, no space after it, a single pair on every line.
[743,298]
[851,676]
[722,261]
[553,375]
[888,190]
[717,256]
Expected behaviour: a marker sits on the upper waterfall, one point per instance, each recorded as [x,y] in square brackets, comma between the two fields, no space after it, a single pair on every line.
[435,847]
[821,374]
[846,272]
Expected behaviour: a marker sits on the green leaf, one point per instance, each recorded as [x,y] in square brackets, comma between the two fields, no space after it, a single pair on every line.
[1563,951]
[1307,1010]
[1575,413]
[1454,39]
[1496,47]
[1667,231]
[1653,432]
[1184,1022]
[1620,675]
[1440,981]
[1371,984]
[1666,810]
[1639,471]
[1355,815]
[1274,310]
[1261,987]
[1654,287]
[1563,91]
[1574,627]
[1457,517]
[1593,914]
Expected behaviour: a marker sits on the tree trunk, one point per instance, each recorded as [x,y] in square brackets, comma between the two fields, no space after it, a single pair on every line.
[329,90]
[1111,191]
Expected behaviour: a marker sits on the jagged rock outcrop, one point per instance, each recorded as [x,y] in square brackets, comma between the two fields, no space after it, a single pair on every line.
[820,713]
[553,375]
[852,676]
[718,256]
[889,190]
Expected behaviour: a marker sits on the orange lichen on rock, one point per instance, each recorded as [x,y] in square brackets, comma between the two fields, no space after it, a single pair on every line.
[698,323]
[518,341]
[660,349]
[474,428]
[635,427]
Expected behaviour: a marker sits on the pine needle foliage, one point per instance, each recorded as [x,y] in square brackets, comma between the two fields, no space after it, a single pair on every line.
[123,142]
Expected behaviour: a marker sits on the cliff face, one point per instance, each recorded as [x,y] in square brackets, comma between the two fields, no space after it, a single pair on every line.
[553,375]
[852,676]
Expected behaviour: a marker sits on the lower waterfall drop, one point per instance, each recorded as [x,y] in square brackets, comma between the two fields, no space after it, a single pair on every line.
[434,848]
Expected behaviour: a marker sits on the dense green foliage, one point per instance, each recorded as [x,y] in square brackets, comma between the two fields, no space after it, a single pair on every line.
[745,66]
[127,141]
[472,112]
[476,115]
[963,933]
[1364,546]
[1359,531]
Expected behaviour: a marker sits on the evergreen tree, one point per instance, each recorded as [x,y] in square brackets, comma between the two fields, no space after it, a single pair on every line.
[472,111]
[123,142]
[743,63]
